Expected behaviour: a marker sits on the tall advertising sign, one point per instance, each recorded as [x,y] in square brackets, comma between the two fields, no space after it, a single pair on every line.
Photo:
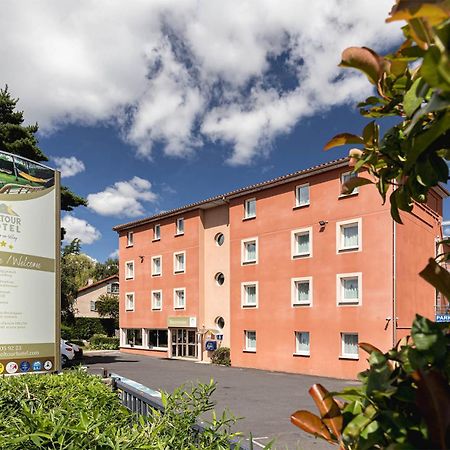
[29,266]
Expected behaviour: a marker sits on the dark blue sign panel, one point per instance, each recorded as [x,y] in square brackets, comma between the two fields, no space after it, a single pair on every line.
[219,337]
[442,317]
[210,345]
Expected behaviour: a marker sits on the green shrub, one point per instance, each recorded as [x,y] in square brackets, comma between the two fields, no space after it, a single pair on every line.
[221,356]
[67,332]
[102,342]
[76,411]
[86,327]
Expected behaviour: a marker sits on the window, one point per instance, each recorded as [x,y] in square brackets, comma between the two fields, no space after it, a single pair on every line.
[179,262]
[220,323]
[130,239]
[179,298]
[156,266]
[302,195]
[129,301]
[180,226]
[302,343]
[302,291]
[156,232]
[349,345]
[112,288]
[346,177]
[348,235]
[249,294]
[249,251]
[302,243]
[220,278]
[220,239]
[134,337]
[157,300]
[93,305]
[157,339]
[129,270]
[250,208]
[250,341]
[349,289]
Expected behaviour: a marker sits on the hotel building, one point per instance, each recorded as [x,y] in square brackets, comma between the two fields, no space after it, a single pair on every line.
[288,273]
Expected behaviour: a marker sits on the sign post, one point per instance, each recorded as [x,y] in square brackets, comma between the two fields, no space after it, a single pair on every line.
[29,266]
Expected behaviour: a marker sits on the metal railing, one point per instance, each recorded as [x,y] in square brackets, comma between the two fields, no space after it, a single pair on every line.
[140,399]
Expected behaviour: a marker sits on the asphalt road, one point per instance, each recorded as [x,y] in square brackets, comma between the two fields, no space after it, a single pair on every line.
[265,400]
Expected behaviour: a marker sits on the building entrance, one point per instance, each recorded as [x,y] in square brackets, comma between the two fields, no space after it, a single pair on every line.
[184,343]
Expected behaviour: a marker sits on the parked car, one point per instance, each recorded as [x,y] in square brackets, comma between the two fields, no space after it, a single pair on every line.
[67,353]
[76,348]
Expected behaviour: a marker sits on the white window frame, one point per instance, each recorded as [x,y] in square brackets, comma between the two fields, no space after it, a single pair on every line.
[246,341]
[244,262]
[130,239]
[294,296]
[157,232]
[127,308]
[355,191]
[126,270]
[175,298]
[348,355]
[175,271]
[339,235]
[297,195]
[340,301]
[109,288]
[157,274]
[155,308]
[302,352]
[244,303]
[246,214]
[294,233]
[179,231]
[93,306]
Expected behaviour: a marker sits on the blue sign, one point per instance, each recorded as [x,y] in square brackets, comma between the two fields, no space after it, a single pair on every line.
[25,366]
[210,345]
[37,365]
[442,317]
[219,337]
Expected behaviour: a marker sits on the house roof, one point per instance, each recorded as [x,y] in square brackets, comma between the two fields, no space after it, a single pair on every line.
[97,283]
[224,198]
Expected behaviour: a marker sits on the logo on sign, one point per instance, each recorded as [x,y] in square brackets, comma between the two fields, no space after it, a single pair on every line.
[25,366]
[48,365]
[2,368]
[12,367]
[210,345]
[37,365]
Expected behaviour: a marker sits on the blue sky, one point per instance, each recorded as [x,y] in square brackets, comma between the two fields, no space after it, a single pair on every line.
[163,103]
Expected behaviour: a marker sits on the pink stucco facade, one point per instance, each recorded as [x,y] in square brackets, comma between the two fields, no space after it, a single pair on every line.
[307,273]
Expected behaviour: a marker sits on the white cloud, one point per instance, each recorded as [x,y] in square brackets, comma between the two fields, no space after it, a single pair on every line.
[114,254]
[185,72]
[79,228]
[69,166]
[124,198]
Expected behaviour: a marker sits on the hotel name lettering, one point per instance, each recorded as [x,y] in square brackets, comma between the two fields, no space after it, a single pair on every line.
[9,223]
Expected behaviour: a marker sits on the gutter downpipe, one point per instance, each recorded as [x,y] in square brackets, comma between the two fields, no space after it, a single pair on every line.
[394,283]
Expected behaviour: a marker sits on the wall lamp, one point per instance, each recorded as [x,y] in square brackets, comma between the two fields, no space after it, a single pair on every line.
[322,223]
[142,258]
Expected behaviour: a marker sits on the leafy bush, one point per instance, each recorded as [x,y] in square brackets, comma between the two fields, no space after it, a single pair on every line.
[67,332]
[86,327]
[76,410]
[221,356]
[102,342]
[403,402]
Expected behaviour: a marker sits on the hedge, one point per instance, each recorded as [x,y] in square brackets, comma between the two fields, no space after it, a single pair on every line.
[86,327]
[77,411]
[102,342]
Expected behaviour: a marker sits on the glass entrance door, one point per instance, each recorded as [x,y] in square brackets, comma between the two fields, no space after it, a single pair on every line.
[184,343]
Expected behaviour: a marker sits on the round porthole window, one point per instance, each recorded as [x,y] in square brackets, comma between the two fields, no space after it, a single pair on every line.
[220,278]
[220,238]
[220,323]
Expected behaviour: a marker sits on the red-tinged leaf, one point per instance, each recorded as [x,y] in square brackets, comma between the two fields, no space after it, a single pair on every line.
[433,400]
[343,139]
[312,424]
[353,183]
[433,11]
[328,408]
[364,59]
[369,348]
[437,276]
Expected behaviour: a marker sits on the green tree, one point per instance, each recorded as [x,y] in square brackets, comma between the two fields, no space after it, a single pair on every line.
[20,139]
[106,269]
[108,306]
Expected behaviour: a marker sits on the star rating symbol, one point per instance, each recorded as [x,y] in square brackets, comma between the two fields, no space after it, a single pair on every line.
[3,244]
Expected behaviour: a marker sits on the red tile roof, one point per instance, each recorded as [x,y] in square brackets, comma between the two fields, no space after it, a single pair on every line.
[89,286]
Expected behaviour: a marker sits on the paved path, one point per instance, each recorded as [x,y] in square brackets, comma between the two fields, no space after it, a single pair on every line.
[265,400]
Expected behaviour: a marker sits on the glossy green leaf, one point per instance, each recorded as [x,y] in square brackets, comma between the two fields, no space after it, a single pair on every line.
[349,186]
[413,98]
[437,276]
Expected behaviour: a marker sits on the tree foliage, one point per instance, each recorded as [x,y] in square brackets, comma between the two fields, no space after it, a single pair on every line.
[108,306]
[20,139]
[107,269]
